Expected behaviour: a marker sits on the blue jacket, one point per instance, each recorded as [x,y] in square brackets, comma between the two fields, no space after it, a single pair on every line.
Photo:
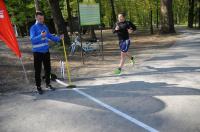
[39,43]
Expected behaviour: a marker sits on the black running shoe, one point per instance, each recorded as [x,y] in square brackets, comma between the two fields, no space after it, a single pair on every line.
[50,87]
[39,89]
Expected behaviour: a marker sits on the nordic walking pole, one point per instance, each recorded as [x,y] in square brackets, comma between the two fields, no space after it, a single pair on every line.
[67,67]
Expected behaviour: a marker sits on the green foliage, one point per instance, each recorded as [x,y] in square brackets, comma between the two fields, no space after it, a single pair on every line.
[137,10]
[73,5]
[180,8]
[20,11]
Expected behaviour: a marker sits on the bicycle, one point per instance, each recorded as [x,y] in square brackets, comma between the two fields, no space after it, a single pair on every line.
[87,47]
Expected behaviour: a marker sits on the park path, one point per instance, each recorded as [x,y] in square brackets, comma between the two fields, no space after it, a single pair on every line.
[162,91]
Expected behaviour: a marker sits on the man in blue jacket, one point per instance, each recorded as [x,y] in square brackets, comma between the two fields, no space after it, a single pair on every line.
[40,36]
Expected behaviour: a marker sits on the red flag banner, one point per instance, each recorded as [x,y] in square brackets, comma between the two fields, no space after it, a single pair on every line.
[7,33]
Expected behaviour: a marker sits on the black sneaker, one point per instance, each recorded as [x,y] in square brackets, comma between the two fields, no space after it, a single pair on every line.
[50,87]
[132,61]
[39,89]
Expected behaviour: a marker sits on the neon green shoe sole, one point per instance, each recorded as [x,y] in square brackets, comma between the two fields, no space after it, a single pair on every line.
[117,72]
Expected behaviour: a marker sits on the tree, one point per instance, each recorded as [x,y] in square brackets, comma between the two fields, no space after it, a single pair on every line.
[136,11]
[191,14]
[113,12]
[58,19]
[157,14]
[37,7]
[180,8]
[92,33]
[199,12]
[69,16]
[167,20]
[20,16]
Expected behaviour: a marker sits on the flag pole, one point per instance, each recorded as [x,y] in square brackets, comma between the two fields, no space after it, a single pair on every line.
[6,37]
[24,70]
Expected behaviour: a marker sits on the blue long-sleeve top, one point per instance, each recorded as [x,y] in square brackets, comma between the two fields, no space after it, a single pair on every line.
[39,43]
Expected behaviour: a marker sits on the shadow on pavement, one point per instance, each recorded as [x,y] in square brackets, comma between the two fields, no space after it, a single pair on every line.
[136,97]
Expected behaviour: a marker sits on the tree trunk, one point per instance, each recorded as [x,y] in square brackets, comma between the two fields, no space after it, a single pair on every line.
[191,14]
[167,20]
[196,18]
[92,33]
[69,16]
[26,22]
[20,31]
[37,7]
[59,20]
[151,21]
[199,12]
[113,13]
[157,13]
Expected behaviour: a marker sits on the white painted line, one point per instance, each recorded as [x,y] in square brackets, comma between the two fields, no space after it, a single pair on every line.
[139,123]
[131,119]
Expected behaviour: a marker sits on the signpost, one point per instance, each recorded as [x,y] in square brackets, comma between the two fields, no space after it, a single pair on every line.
[89,15]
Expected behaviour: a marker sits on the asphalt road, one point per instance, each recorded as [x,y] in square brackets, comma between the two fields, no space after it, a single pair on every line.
[161,93]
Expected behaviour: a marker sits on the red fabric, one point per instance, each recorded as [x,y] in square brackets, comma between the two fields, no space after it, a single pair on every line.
[7,33]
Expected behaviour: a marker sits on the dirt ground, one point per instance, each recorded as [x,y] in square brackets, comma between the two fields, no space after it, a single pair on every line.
[12,77]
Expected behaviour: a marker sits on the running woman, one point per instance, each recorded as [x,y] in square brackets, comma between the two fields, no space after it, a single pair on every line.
[123,28]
